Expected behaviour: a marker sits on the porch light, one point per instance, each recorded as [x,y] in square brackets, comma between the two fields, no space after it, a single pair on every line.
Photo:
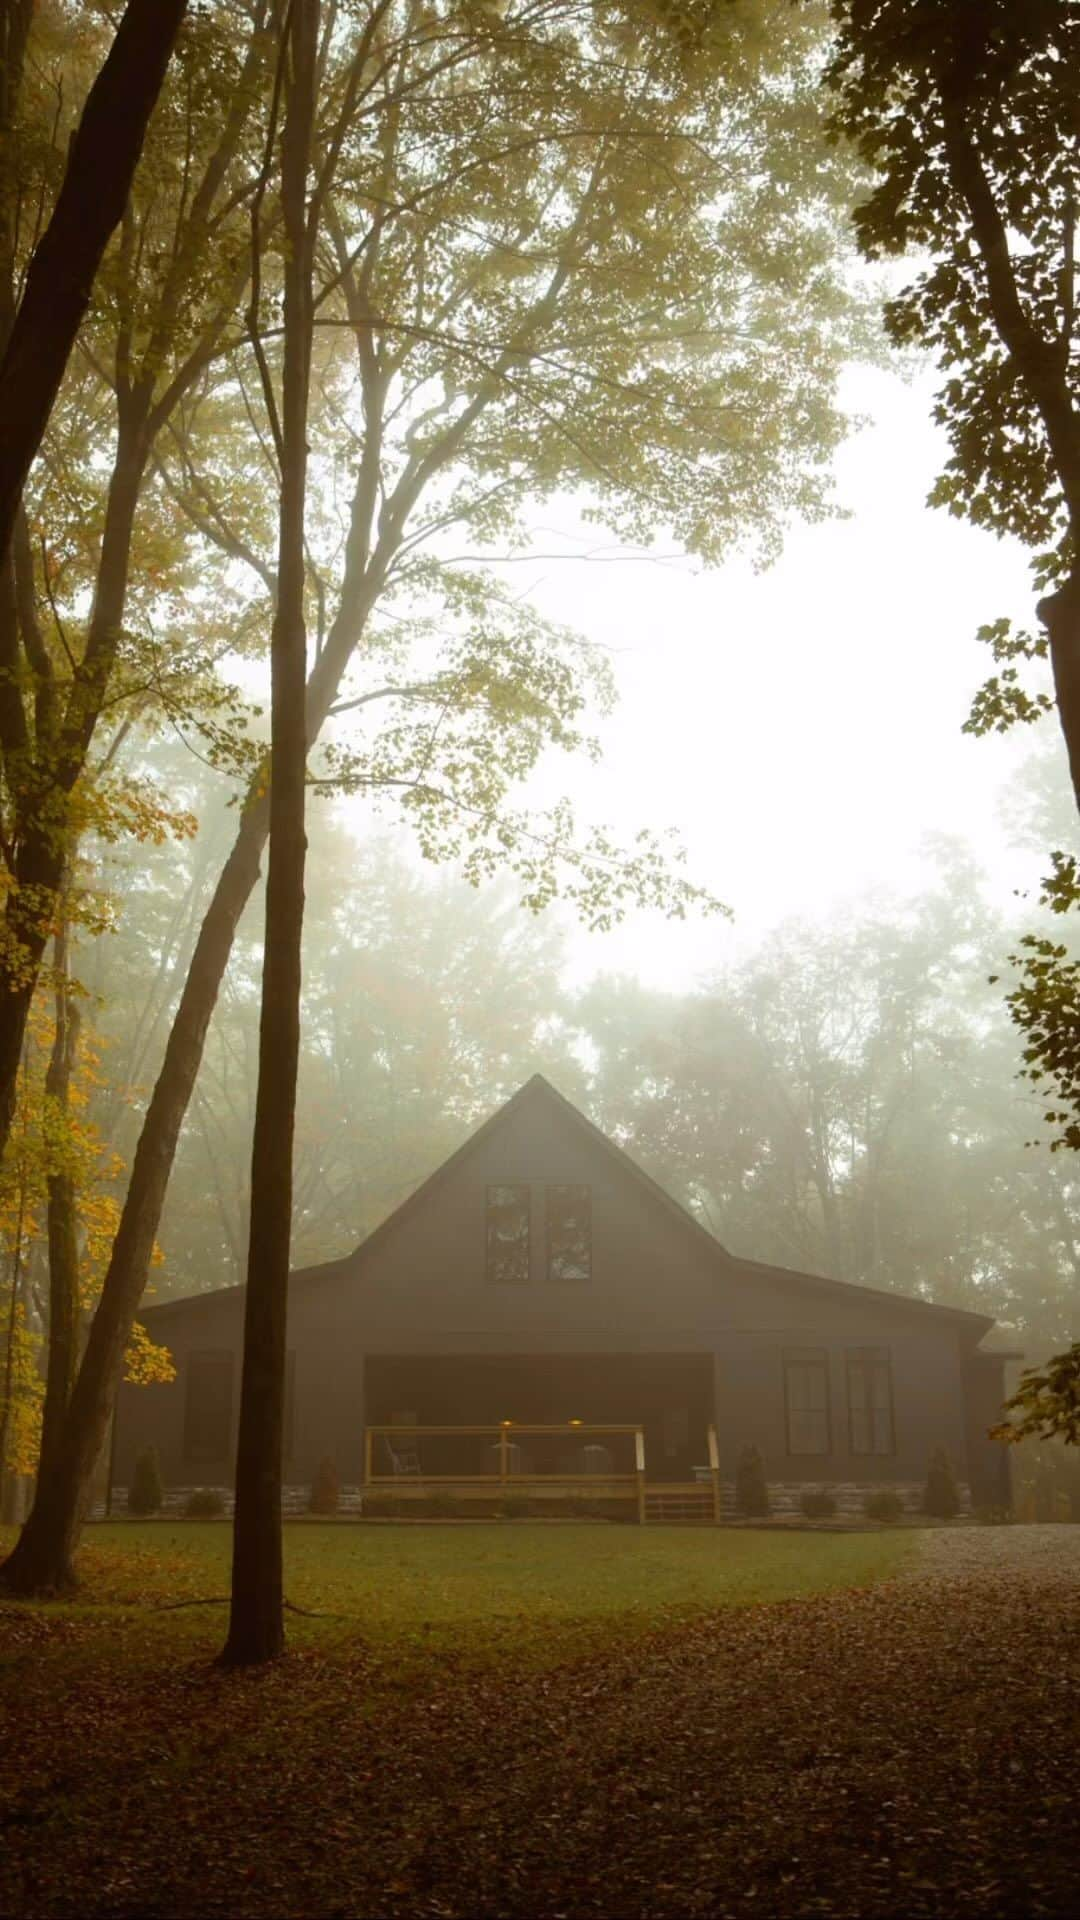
[506,1423]
[575,1423]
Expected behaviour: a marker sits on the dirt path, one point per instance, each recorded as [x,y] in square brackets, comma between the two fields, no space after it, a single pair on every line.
[911,1750]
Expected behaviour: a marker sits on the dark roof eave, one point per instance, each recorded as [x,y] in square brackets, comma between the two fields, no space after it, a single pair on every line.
[324,1271]
[977,1323]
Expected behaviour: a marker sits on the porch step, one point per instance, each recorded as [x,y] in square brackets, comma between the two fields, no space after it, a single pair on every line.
[667,1505]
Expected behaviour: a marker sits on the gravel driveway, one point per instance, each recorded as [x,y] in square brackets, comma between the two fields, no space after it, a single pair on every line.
[1046,1555]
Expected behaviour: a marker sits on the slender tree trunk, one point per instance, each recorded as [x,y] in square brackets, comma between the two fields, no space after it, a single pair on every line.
[7,1480]
[257,1620]
[46,1543]
[42,851]
[1060,615]
[61,1217]
[101,166]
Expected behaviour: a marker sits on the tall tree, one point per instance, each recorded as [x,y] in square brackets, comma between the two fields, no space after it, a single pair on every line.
[257,1621]
[568,250]
[969,111]
[171,288]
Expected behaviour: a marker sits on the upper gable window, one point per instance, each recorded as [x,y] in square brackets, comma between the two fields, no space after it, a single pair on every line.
[507,1234]
[870,1401]
[569,1233]
[806,1398]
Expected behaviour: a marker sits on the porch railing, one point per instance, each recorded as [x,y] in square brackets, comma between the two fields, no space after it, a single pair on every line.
[495,1457]
[394,1456]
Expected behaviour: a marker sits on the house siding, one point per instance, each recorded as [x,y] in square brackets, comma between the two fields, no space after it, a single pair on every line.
[928,1404]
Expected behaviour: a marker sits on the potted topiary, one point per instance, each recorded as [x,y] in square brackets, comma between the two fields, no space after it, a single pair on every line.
[146,1492]
[940,1496]
[751,1491]
[325,1494]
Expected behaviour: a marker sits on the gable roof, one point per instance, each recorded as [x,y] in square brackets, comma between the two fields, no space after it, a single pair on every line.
[973,1325]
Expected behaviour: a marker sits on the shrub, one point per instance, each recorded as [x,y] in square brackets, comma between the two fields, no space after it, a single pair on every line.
[585,1506]
[443,1506]
[325,1496]
[382,1506]
[818,1503]
[589,1509]
[146,1492]
[204,1503]
[513,1507]
[751,1492]
[940,1496]
[885,1505]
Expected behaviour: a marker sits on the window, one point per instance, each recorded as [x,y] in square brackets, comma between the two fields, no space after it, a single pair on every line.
[507,1236]
[569,1233]
[870,1401]
[806,1399]
[208,1406]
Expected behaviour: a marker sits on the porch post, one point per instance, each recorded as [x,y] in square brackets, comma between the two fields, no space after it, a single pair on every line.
[368,1438]
[714,1472]
[503,1458]
[639,1464]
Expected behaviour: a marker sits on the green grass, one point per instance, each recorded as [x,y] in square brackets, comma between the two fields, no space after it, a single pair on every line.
[480,1588]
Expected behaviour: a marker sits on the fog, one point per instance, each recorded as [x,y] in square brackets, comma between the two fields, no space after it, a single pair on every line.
[801,727]
[539,1007]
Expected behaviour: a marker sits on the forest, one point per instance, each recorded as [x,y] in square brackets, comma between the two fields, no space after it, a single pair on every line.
[322,323]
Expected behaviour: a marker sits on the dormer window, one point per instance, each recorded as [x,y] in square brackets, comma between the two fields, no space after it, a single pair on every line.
[507,1235]
[569,1233]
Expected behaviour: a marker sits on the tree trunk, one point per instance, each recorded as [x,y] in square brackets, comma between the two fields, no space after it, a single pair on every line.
[44,1547]
[97,180]
[61,1217]
[257,1620]
[1060,615]
[7,1480]
[42,851]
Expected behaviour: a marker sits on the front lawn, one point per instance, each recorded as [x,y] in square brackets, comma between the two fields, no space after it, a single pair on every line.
[481,1586]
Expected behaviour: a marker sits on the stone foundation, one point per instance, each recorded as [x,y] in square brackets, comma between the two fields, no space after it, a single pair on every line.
[785,1496]
[294,1500]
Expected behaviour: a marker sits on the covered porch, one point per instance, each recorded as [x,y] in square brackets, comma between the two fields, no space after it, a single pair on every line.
[636,1430]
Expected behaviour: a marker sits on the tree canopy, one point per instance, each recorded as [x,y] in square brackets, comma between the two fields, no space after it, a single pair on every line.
[968,113]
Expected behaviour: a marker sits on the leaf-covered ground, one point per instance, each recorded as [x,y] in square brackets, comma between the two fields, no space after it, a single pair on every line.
[902,1747]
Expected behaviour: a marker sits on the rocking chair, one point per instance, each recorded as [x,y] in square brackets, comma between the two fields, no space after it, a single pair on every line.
[404,1461]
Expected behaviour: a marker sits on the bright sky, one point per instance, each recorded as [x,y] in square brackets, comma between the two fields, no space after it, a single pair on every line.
[801,727]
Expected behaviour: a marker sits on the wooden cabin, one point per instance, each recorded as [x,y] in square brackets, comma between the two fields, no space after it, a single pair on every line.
[539,1288]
